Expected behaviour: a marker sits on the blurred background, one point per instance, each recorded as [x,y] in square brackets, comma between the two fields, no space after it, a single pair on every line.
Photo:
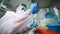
[49,10]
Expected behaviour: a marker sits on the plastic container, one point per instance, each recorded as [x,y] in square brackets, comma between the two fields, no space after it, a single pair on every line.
[54,27]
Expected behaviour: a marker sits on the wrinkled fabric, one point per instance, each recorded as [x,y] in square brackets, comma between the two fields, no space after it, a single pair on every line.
[8,15]
[7,26]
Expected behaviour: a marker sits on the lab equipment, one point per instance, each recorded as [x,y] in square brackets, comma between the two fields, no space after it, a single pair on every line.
[54,27]
[56,12]
[50,20]
[43,25]
[34,8]
[49,15]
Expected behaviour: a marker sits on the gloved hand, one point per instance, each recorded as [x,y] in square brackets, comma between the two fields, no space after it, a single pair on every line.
[32,24]
[34,8]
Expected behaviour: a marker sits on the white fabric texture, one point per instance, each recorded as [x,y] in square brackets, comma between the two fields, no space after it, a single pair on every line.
[8,23]
[8,15]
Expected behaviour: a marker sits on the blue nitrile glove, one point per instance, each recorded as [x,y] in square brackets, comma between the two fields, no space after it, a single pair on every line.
[32,24]
[34,8]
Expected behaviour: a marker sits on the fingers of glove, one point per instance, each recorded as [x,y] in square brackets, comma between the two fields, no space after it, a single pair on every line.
[34,5]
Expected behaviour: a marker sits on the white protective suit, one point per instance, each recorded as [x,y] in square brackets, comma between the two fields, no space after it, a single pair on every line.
[8,21]
[8,15]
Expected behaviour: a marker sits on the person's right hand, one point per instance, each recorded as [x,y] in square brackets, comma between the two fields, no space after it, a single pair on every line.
[34,8]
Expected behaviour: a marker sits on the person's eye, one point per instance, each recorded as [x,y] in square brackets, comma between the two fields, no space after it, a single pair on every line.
[22,8]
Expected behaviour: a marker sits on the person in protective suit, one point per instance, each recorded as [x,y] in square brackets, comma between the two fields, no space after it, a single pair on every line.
[18,20]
